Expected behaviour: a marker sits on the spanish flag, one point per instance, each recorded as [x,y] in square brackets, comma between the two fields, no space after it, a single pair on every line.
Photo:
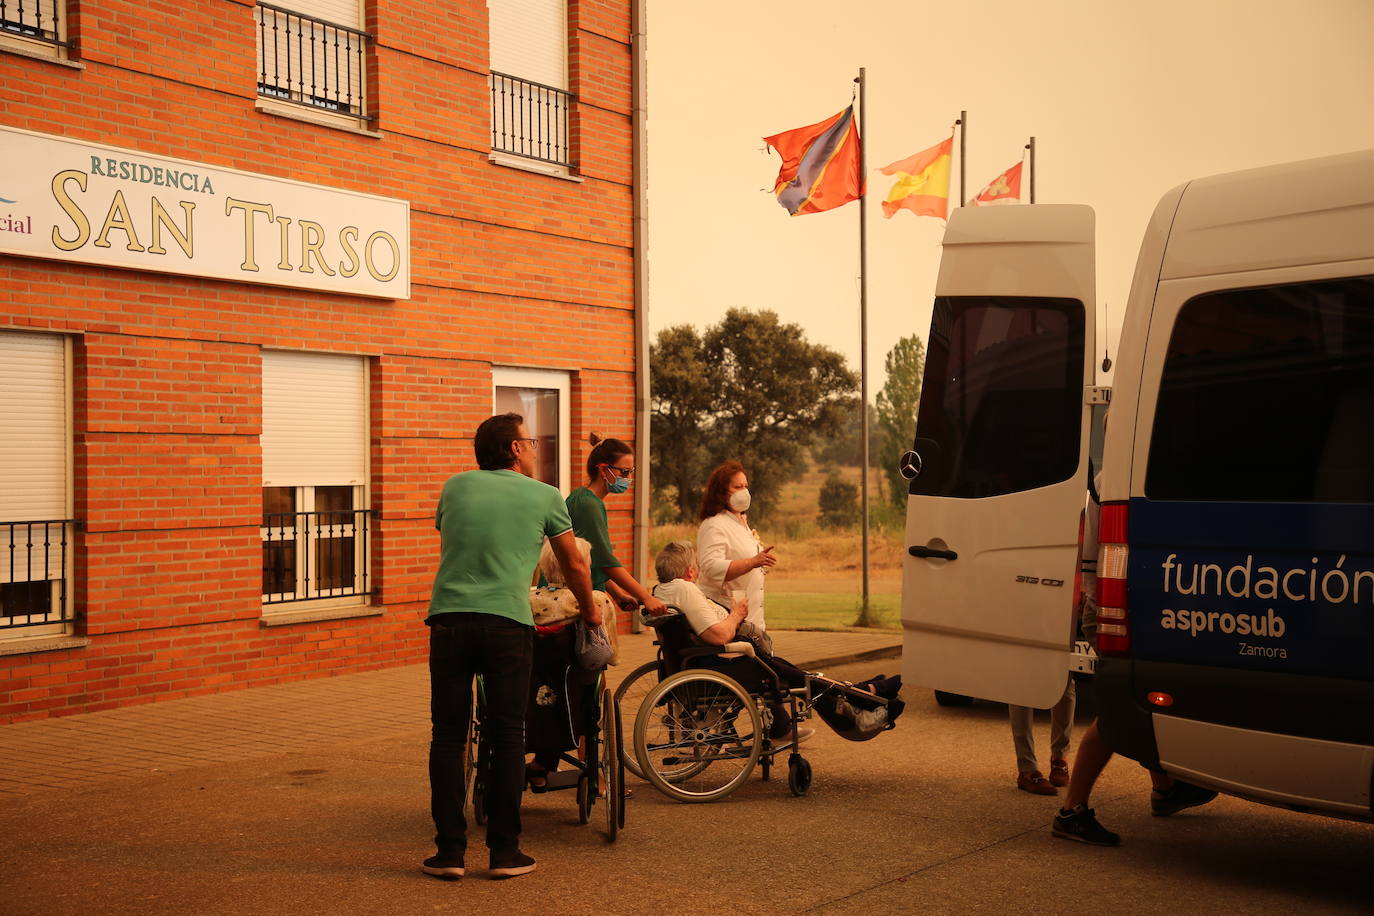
[923,185]
[1004,189]
[820,165]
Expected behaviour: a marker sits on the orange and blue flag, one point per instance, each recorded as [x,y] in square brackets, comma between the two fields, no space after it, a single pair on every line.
[820,165]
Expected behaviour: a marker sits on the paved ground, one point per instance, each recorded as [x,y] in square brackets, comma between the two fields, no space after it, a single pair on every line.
[139,741]
[312,797]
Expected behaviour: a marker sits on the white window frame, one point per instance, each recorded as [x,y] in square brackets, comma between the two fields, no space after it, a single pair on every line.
[553,380]
[308,595]
[65,581]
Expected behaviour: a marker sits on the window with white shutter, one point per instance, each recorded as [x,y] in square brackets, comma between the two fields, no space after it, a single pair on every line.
[36,528]
[530,104]
[315,520]
[35,26]
[314,53]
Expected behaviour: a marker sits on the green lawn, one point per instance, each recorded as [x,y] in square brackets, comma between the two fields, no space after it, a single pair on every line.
[828,611]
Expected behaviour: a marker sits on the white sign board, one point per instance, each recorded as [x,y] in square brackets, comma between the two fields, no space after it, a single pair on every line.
[94,204]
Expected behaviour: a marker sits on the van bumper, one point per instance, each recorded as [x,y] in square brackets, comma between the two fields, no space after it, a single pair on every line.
[1299,741]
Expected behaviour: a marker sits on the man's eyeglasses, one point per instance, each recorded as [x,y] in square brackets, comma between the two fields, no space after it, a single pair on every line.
[621,472]
[534,443]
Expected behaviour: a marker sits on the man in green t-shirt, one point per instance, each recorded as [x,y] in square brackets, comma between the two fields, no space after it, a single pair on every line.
[492,523]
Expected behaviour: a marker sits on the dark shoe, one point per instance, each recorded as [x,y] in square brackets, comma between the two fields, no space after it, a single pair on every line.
[1080,825]
[1059,773]
[537,778]
[1179,796]
[450,868]
[1035,783]
[510,865]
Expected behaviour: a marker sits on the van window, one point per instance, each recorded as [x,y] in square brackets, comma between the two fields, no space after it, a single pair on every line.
[1001,402]
[1268,394]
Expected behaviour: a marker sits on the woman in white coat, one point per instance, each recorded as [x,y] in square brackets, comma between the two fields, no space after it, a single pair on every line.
[728,552]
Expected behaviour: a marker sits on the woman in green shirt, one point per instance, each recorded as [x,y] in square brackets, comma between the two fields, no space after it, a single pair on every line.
[610,468]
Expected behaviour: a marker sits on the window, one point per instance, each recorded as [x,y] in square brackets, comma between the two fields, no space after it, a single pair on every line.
[36,527]
[1001,402]
[531,108]
[34,25]
[315,520]
[1268,394]
[541,397]
[313,53]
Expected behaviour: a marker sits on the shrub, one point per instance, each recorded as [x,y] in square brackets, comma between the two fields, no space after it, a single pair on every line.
[839,502]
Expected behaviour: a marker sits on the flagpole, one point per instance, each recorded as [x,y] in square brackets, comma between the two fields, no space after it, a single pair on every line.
[1031,146]
[864,618]
[963,152]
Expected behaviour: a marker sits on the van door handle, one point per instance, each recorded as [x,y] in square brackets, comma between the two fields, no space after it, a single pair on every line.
[932,552]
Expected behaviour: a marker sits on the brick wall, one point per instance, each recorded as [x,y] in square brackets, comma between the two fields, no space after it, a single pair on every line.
[508,268]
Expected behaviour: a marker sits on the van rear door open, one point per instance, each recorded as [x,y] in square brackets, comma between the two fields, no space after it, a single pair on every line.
[1001,445]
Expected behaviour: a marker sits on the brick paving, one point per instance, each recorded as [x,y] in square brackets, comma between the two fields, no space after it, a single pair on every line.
[156,738]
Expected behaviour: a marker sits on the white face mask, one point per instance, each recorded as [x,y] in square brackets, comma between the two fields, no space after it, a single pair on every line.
[739,500]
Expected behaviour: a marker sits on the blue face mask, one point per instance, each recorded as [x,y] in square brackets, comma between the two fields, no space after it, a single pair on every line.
[618,485]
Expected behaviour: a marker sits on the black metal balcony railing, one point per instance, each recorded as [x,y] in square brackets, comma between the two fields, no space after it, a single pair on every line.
[311,555]
[311,62]
[39,20]
[33,573]
[530,119]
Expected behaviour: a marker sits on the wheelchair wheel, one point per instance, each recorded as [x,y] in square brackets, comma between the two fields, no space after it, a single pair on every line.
[620,765]
[478,758]
[697,735]
[611,767]
[584,798]
[798,775]
[630,695]
[470,753]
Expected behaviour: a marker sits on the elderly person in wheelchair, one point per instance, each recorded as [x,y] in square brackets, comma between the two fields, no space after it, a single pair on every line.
[677,570]
[723,702]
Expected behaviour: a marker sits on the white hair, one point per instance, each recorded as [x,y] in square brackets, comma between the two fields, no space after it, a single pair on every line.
[549,567]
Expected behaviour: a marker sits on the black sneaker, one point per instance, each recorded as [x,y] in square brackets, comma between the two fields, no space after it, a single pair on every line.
[1179,796]
[450,868]
[1081,825]
[510,864]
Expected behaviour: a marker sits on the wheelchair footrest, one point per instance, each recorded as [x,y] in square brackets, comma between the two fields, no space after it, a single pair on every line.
[562,779]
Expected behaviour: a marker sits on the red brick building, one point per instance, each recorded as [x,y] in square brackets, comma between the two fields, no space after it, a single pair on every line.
[266,266]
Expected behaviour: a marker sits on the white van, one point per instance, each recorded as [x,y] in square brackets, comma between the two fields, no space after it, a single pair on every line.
[1236,572]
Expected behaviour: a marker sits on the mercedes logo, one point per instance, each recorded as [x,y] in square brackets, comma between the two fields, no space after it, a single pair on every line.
[910,465]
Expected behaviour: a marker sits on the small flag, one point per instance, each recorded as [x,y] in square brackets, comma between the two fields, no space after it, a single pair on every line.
[923,185]
[1004,189]
[820,165]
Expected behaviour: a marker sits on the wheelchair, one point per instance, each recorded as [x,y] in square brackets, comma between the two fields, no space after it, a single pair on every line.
[706,713]
[571,709]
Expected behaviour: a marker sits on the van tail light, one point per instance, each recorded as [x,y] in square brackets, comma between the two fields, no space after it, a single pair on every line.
[1113,628]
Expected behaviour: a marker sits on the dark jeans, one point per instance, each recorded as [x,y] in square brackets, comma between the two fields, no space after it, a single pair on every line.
[462,645]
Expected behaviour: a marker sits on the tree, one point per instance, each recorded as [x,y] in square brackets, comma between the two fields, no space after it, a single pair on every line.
[749,388]
[684,387]
[897,404]
[846,447]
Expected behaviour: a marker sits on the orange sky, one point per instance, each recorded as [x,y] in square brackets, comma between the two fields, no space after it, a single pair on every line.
[1126,99]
